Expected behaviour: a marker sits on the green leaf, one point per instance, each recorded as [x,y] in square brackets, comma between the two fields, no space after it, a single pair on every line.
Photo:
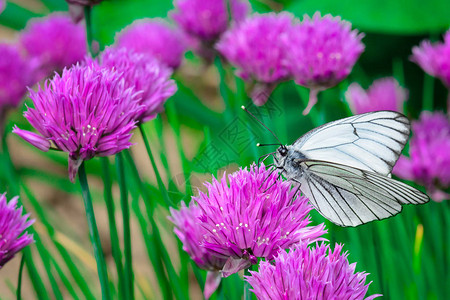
[112,16]
[384,16]
[114,236]
[15,16]
[55,5]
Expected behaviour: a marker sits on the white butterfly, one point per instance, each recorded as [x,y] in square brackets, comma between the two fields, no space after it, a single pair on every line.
[344,167]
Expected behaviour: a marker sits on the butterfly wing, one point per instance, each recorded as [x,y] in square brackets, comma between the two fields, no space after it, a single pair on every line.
[371,141]
[350,197]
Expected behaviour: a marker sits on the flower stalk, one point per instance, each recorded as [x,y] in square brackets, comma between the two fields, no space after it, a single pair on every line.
[428,93]
[94,235]
[19,280]
[114,236]
[89,37]
[247,286]
[126,225]
[161,186]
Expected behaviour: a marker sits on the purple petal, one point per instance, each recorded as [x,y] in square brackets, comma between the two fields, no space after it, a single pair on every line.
[34,139]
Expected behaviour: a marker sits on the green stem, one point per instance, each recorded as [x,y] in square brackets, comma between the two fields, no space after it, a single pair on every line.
[13,181]
[448,103]
[115,246]
[163,150]
[19,280]
[220,293]
[152,253]
[36,278]
[126,225]
[72,267]
[79,278]
[230,12]
[89,36]
[161,186]
[428,93]
[93,233]
[150,243]
[247,286]
[224,90]
[175,124]
[156,237]
[67,283]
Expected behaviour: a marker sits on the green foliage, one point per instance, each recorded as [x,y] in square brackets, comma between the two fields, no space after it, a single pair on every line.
[113,15]
[383,16]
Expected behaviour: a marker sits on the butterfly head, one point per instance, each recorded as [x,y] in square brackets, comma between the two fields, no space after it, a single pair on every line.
[287,159]
[280,156]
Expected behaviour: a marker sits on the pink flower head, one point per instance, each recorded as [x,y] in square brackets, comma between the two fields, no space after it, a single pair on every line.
[309,273]
[256,47]
[15,74]
[2,5]
[154,37]
[383,94]
[12,227]
[190,232]
[87,111]
[321,52]
[55,41]
[146,75]
[434,58]
[207,19]
[253,215]
[429,152]
[188,229]
[84,2]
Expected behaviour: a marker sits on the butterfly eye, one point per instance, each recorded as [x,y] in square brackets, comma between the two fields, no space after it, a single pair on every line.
[283,151]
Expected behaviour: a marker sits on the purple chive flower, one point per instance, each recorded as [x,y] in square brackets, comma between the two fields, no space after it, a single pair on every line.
[253,215]
[154,37]
[383,94]
[434,58]
[55,41]
[15,74]
[429,152]
[309,273]
[322,52]
[146,75]
[208,19]
[190,232]
[87,111]
[84,2]
[256,47]
[204,21]
[12,227]
[2,5]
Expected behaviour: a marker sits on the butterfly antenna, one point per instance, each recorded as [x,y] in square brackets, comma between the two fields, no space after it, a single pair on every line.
[262,145]
[247,111]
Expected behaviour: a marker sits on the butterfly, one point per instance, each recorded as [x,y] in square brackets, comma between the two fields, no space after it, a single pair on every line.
[344,167]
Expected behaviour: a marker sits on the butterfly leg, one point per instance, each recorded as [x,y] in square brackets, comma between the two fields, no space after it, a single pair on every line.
[265,157]
[265,179]
[278,178]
